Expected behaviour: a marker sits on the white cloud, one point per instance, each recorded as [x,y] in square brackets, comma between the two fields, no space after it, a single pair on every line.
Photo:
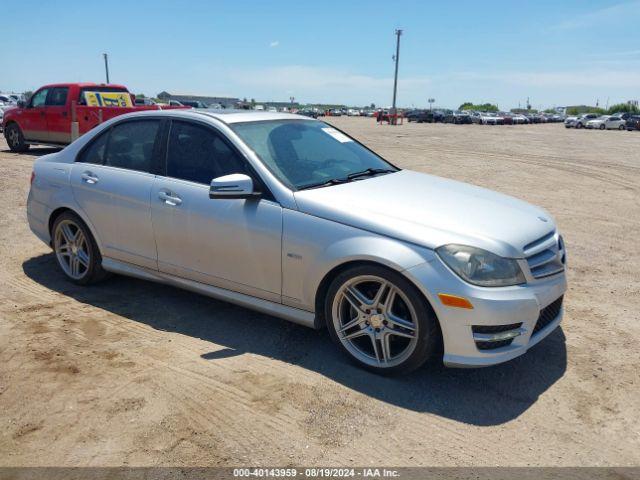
[626,12]
[274,44]
[326,84]
[580,78]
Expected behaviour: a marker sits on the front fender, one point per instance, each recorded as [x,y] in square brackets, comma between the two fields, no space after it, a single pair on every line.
[312,247]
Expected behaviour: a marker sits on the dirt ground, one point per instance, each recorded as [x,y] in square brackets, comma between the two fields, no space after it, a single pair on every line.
[133,373]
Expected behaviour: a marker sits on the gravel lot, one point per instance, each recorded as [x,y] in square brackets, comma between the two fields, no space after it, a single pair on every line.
[133,373]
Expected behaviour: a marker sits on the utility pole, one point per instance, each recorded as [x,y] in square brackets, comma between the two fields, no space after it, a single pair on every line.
[106,65]
[395,78]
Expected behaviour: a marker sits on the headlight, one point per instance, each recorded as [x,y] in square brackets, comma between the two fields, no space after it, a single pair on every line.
[480,267]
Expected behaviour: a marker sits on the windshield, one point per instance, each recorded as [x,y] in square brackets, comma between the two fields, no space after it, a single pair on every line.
[307,153]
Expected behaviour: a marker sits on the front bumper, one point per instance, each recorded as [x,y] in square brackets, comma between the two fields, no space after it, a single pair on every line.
[491,307]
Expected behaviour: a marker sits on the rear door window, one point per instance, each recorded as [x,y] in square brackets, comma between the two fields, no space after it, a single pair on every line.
[131,145]
[95,152]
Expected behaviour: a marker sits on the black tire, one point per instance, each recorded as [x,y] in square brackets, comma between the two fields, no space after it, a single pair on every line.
[15,138]
[621,127]
[94,272]
[602,127]
[429,338]
[578,125]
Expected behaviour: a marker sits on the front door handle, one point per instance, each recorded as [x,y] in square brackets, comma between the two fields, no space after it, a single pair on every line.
[89,178]
[170,198]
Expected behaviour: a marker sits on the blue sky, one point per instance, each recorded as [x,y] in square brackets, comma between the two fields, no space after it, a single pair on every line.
[555,52]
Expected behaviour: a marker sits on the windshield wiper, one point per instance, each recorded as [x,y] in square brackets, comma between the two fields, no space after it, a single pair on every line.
[333,181]
[369,172]
[348,178]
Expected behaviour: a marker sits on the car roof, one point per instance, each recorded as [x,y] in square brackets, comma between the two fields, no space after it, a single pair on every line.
[225,115]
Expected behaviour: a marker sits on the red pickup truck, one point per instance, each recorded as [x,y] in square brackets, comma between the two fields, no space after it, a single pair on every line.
[57,114]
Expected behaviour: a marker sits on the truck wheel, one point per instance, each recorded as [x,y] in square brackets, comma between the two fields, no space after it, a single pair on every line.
[15,138]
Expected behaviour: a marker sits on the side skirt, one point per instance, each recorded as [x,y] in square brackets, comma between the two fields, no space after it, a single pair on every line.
[295,315]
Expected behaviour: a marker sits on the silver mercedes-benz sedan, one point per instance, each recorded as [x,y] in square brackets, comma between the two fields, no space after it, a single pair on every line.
[292,217]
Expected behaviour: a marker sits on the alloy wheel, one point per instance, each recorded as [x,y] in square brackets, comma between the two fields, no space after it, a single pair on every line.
[375,321]
[72,249]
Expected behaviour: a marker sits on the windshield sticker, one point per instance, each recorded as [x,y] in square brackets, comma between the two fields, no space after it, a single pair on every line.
[341,137]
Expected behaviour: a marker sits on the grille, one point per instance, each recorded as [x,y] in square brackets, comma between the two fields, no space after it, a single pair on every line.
[547,315]
[545,256]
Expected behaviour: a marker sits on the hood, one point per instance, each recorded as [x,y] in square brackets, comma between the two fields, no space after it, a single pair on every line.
[431,211]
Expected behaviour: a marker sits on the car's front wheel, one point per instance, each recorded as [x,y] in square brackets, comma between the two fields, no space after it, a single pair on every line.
[380,320]
[76,251]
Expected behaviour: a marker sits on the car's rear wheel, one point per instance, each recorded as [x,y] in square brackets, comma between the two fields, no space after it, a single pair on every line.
[15,138]
[602,127]
[76,251]
[380,320]
[621,127]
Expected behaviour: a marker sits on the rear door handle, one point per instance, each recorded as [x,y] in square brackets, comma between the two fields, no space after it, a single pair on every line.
[89,178]
[169,198]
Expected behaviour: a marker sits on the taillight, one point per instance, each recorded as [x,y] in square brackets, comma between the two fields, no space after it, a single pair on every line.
[33,177]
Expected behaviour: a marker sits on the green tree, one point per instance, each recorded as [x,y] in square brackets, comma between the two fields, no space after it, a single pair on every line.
[485,107]
[623,107]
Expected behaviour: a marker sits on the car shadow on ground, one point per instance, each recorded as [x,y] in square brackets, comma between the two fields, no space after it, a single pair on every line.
[482,397]
[35,151]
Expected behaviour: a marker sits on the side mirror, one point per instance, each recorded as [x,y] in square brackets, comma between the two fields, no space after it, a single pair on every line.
[236,185]
[21,103]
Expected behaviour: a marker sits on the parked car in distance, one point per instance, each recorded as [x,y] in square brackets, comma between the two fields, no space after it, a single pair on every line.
[399,266]
[596,122]
[193,103]
[144,101]
[632,123]
[308,113]
[519,119]
[570,121]
[490,119]
[457,118]
[615,122]
[412,115]
[428,116]
[608,122]
[582,120]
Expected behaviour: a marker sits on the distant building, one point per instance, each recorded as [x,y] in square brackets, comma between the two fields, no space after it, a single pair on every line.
[226,102]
